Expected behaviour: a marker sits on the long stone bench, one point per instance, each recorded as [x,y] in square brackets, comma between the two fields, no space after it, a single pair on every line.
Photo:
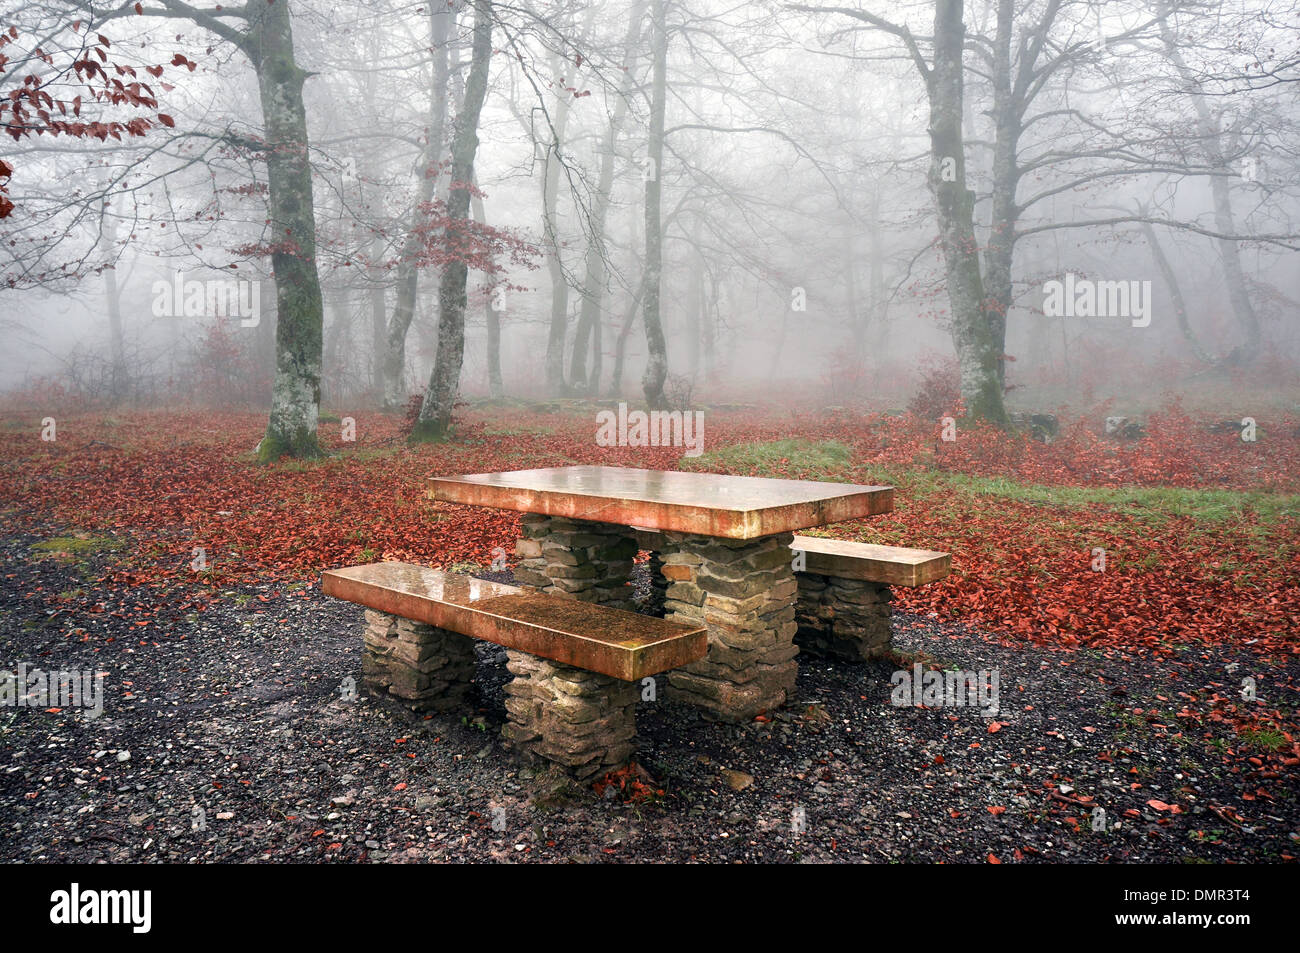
[844,606]
[577,665]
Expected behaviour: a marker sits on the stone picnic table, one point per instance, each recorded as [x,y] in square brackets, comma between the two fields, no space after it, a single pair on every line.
[720,556]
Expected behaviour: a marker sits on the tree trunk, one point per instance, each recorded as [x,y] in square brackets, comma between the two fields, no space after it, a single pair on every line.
[978,353]
[1209,132]
[559,328]
[496,388]
[695,303]
[656,368]
[336,335]
[434,422]
[1005,213]
[710,331]
[408,275]
[587,332]
[295,396]
[113,304]
[266,329]
[492,318]
[857,323]
[620,346]
[597,354]
[1176,297]
[378,328]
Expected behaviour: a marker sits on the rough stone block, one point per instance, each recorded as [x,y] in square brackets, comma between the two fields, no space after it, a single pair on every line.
[582,721]
[427,668]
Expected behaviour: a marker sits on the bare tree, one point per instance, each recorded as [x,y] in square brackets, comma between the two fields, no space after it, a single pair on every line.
[974,327]
[441,17]
[597,272]
[434,421]
[266,39]
[656,369]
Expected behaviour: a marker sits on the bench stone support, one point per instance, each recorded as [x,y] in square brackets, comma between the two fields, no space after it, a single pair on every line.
[580,720]
[577,559]
[744,591]
[843,618]
[426,668]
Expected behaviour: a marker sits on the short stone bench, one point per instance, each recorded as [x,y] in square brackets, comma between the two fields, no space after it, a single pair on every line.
[843,608]
[577,665]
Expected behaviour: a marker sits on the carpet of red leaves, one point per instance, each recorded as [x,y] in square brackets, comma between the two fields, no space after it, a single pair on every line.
[168,482]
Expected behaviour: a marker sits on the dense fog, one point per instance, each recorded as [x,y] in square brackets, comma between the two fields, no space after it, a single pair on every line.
[1056,203]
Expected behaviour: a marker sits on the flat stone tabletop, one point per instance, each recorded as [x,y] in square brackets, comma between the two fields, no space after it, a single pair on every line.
[707,504]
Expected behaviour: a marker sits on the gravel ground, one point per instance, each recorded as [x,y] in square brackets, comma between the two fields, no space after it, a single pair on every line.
[225,737]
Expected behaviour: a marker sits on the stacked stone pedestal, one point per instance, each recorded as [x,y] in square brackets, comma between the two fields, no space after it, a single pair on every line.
[843,618]
[744,591]
[577,559]
[426,668]
[580,720]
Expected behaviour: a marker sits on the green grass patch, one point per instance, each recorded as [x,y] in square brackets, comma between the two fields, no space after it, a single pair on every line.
[467,568]
[518,432]
[74,550]
[1267,739]
[800,459]
[331,458]
[76,545]
[1152,504]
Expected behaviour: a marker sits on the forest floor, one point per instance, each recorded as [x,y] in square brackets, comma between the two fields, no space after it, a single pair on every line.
[222,682]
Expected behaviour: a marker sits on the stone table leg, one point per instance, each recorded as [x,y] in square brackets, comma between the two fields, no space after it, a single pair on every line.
[426,668]
[744,590]
[577,559]
[843,618]
[583,721]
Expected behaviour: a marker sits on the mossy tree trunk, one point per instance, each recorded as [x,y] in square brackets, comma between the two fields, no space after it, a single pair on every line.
[978,328]
[1008,104]
[979,351]
[295,397]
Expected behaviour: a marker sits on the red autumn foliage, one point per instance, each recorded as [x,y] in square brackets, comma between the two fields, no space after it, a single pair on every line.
[63,77]
[631,783]
[482,247]
[1022,567]
[939,392]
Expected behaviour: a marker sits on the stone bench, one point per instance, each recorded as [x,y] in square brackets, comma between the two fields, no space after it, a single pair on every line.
[843,608]
[577,665]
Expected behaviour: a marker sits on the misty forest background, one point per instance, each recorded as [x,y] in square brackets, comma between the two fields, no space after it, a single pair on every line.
[675,201]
